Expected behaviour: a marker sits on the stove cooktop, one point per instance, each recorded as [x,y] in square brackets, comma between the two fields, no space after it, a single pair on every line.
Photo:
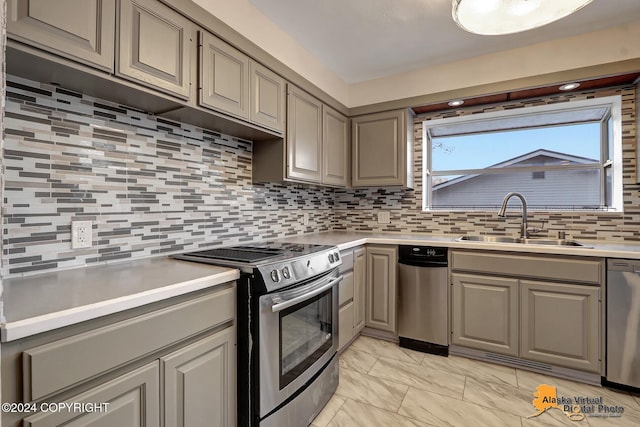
[254,254]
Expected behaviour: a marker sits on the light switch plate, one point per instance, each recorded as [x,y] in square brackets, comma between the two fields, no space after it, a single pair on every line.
[384,217]
[81,234]
[305,218]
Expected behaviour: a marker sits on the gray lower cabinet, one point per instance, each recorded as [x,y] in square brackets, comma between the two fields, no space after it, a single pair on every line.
[382,149]
[360,286]
[199,383]
[485,313]
[154,47]
[535,307]
[351,298]
[80,30]
[172,363]
[380,311]
[131,400]
[560,324]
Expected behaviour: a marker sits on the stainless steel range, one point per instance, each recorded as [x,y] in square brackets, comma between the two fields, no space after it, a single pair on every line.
[287,320]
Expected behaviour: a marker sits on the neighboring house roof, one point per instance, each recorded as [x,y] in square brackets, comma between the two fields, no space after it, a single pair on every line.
[569,158]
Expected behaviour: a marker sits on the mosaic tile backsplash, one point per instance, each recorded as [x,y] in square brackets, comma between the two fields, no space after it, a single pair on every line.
[154,187]
[150,186]
[356,210]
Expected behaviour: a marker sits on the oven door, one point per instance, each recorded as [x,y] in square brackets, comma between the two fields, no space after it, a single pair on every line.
[298,336]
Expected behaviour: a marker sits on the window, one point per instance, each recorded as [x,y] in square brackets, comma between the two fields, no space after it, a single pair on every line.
[560,157]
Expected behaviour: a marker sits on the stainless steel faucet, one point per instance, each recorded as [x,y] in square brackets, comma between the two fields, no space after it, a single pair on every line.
[523,228]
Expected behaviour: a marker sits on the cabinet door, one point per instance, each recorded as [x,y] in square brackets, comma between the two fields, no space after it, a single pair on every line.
[335,146]
[133,400]
[154,46]
[560,324]
[82,30]
[381,287]
[267,106]
[345,291]
[379,147]
[359,286]
[345,325]
[200,383]
[224,76]
[485,313]
[304,136]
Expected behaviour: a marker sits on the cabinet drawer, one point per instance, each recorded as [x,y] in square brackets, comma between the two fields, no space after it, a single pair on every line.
[575,269]
[347,261]
[345,291]
[61,364]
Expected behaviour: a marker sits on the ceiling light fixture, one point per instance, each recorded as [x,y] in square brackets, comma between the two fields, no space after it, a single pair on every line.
[496,17]
[569,86]
[455,103]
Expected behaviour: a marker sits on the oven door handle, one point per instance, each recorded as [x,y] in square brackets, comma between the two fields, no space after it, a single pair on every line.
[293,301]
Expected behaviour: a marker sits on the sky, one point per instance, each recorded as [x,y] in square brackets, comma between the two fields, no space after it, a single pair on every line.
[482,150]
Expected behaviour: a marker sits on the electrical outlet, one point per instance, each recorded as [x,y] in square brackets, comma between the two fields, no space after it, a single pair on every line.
[81,234]
[305,218]
[384,217]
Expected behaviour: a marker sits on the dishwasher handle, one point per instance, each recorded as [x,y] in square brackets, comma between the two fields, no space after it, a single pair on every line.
[425,264]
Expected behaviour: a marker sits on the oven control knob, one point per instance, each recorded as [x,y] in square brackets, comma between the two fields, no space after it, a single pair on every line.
[275,276]
[286,273]
[337,256]
[331,258]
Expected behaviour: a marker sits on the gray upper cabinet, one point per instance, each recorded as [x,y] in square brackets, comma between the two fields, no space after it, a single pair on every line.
[304,136]
[335,148]
[155,47]
[268,97]
[224,77]
[382,147]
[315,148]
[81,30]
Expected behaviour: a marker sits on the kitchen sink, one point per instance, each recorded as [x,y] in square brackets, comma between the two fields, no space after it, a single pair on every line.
[501,239]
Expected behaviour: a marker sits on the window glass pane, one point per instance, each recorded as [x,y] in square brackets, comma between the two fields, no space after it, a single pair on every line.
[554,145]
[610,139]
[557,189]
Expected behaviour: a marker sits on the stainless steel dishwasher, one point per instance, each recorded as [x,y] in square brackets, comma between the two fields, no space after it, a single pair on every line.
[623,322]
[423,299]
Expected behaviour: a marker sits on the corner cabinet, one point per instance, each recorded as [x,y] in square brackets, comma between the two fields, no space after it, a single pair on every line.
[315,149]
[382,150]
[80,30]
[534,307]
[155,47]
[382,272]
[267,104]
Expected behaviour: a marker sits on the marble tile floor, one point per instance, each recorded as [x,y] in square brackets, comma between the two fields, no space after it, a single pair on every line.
[383,385]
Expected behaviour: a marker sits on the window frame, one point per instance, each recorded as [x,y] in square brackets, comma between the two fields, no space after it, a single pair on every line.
[610,159]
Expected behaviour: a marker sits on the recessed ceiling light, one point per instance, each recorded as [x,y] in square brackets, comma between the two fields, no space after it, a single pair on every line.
[455,103]
[569,86]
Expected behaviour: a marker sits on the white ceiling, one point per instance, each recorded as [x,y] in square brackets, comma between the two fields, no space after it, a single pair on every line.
[365,39]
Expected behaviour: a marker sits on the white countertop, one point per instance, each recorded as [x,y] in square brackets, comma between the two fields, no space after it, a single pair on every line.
[44,302]
[345,240]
